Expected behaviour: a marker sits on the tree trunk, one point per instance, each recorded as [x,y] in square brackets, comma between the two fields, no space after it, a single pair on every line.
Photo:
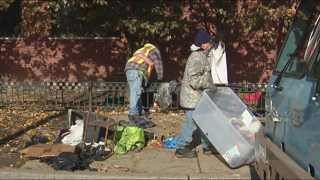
[130,46]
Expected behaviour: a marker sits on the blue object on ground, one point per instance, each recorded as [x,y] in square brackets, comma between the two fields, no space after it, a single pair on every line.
[171,142]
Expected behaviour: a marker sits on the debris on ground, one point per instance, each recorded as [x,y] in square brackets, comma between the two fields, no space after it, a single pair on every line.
[164,94]
[144,122]
[171,142]
[22,127]
[149,136]
[75,136]
[66,161]
[37,139]
[15,119]
[132,138]
[63,133]
[43,150]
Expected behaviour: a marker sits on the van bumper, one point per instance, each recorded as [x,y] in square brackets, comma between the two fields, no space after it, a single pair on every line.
[272,163]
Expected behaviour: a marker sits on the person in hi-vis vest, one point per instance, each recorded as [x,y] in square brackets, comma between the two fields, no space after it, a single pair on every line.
[138,70]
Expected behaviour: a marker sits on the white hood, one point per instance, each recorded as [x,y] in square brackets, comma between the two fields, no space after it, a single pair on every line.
[194,47]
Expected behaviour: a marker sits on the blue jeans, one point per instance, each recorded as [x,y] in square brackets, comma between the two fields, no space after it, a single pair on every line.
[134,79]
[188,130]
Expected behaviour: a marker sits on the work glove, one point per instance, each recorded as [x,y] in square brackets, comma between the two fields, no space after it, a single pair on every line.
[212,88]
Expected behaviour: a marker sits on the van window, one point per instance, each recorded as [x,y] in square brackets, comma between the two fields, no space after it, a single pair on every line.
[299,27]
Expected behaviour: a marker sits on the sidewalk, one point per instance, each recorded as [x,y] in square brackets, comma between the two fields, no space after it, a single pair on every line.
[150,163]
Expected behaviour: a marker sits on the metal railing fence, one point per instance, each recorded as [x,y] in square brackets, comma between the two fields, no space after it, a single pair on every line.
[103,94]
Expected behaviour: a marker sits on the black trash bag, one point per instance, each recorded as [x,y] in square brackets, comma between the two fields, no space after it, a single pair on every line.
[123,123]
[93,154]
[145,116]
[60,137]
[36,139]
[96,153]
[66,161]
[148,136]
[77,160]
[144,124]
[47,160]
[85,158]
[78,148]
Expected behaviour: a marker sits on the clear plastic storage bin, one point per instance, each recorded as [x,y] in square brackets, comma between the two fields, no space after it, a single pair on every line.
[229,125]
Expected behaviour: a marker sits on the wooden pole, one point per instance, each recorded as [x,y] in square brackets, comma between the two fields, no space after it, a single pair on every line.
[107,129]
[85,130]
[115,127]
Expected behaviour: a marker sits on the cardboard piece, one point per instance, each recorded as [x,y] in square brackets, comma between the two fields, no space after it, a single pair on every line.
[46,150]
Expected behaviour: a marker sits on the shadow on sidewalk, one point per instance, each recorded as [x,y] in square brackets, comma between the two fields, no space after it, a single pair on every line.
[30,127]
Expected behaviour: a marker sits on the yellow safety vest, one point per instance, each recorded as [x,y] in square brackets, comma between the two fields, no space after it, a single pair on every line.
[141,56]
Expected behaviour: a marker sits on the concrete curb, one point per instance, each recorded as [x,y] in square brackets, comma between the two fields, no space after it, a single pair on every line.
[25,174]
[50,174]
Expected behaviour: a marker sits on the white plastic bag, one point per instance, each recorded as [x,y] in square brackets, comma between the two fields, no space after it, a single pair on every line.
[75,136]
[163,95]
[218,64]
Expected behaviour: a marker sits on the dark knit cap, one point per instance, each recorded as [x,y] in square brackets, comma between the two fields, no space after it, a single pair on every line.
[202,38]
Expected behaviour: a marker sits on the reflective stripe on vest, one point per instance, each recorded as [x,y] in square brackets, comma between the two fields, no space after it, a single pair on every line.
[141,56]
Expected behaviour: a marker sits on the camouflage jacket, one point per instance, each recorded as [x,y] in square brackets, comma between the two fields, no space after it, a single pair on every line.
[196,78]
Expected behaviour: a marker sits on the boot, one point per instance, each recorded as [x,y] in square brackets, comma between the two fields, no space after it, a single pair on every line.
[185,152]
[133,119]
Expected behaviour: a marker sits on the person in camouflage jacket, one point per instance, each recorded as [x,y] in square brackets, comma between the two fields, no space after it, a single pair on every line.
[196,79]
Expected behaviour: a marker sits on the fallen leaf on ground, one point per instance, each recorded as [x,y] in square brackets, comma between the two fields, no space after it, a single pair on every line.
[125,169]
[19,163]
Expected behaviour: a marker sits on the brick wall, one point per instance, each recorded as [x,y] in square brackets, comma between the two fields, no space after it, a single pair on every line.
[41,59]
[61,60]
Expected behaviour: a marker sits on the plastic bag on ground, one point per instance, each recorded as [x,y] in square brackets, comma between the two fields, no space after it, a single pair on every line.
[147,135]
[171,142]
[36,139]
[66,161]
[132,138]
[63,133]
[75,136]
[78,160]
[144,122]
[95,153]
[163,95]
[120,130]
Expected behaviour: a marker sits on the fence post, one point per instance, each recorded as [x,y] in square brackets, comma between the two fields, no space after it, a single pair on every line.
[90,96]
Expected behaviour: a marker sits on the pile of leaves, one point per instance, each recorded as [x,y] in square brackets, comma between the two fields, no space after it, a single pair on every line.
[13,120]
[18,125]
